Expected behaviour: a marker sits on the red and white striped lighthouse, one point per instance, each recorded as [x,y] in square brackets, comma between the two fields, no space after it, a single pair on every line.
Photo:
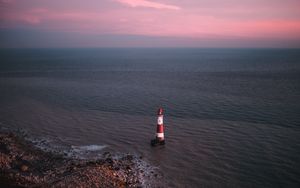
[160,125]
[160,137]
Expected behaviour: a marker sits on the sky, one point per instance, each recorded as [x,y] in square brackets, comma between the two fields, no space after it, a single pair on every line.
[149,23]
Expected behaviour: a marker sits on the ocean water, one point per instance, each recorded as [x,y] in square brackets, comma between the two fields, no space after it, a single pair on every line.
[232,116]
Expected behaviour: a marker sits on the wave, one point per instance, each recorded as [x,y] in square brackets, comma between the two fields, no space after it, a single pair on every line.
[88,148]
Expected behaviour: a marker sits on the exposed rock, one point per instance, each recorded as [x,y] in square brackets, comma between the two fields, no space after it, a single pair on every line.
[24,168]
[21,164]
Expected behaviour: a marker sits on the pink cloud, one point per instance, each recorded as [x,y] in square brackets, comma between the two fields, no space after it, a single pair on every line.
[33,16]
[30,19]
[194,21]
[160,24]
[148,4]
[7,1]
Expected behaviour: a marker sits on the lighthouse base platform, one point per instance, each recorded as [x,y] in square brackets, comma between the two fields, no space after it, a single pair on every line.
[156,142]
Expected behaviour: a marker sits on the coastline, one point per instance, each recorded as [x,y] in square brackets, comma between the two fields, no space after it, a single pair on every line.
[24,165]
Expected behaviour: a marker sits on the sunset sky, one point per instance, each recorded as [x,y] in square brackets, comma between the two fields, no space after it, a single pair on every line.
[150,23]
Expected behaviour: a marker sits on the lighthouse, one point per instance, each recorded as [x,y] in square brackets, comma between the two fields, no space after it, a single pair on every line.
[159,137]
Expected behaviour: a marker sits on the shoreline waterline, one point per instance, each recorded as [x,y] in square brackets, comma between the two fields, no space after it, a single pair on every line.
[25,165]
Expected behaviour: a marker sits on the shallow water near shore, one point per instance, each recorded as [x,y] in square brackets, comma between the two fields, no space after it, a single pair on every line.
[231,115]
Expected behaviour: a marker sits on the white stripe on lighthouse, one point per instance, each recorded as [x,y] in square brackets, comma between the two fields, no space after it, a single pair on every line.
[159,135]
[160,120]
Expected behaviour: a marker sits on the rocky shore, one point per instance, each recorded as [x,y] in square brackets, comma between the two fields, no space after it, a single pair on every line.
[24,165]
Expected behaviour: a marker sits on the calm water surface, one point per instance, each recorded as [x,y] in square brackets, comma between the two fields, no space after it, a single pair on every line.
[232,116]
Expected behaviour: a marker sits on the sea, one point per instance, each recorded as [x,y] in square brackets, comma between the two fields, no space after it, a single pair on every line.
[231,116]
